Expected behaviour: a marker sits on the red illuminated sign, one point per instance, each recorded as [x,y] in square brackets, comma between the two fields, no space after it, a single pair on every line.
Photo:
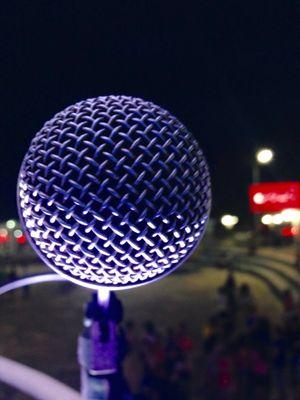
[3,238]
[274,197]
[21,239]
[289,231]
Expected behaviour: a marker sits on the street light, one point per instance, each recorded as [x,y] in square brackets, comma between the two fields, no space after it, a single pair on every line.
[18,233]
[278,219]
[291,215]
[229,221]
[11,224]
[267,219]
[264,156]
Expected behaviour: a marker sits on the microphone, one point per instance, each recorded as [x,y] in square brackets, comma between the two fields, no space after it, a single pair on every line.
[114,192]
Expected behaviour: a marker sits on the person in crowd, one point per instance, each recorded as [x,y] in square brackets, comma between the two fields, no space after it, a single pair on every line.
[242,367]
[153,356]
[2,276]
[289,304]
[225,382]
[230,292]
[130,334]
[170,341]
[12,276]
[245,301]
[221,300]
[183,339]
[210,335]
[133,366]
[279,362]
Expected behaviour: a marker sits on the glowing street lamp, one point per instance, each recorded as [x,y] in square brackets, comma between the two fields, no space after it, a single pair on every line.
[11,224]
[287,216]
[18,233]
[291,215]
[278,219]
[229,221]
[267,219]
[264,156]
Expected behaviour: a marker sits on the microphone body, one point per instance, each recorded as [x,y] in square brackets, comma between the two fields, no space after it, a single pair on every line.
[114,192]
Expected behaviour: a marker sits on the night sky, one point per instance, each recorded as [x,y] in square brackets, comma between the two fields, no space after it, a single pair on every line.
[230,71]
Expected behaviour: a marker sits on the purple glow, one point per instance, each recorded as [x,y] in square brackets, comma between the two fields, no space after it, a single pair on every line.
[114,192]
[103,297]
[103,293]
[31,280]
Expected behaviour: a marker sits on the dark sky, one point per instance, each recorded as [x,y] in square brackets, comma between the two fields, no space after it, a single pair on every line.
[230,71]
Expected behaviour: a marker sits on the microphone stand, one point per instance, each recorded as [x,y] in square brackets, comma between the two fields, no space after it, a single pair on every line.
[100,349]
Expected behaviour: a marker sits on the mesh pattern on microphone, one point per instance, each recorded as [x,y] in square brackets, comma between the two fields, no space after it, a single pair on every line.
[114,191]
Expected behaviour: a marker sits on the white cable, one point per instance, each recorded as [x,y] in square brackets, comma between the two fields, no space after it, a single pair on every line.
[34,383]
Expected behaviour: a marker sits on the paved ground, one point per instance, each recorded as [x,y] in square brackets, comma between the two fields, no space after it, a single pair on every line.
[42,331]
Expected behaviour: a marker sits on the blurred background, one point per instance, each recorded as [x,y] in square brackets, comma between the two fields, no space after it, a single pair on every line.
[226,325]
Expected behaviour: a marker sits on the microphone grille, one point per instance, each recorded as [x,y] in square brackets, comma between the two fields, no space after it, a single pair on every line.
[114,191]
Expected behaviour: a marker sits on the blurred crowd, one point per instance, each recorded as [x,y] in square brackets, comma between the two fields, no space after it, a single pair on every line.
[158,367]
[238,355]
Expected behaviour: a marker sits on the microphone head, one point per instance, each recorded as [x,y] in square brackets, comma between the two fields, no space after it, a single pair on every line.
[114,191]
